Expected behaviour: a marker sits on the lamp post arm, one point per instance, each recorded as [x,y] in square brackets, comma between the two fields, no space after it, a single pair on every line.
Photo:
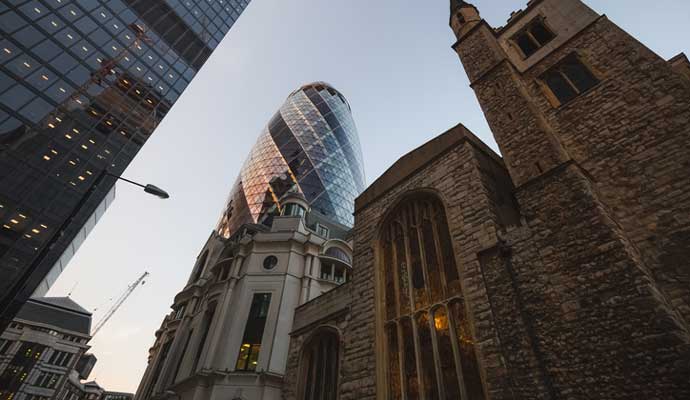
[125,179]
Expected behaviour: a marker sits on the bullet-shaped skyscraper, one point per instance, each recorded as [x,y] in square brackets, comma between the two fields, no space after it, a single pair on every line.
[83,85]
[310,146]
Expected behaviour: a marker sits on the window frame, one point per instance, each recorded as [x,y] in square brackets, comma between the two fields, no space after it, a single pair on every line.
[526,31]
[312,346]
[407,318]
[247,359]
[551,94]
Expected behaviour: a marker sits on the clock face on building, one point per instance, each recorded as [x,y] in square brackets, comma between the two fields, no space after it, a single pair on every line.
[270,262]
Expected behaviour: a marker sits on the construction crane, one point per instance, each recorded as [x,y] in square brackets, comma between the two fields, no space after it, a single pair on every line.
[130,289]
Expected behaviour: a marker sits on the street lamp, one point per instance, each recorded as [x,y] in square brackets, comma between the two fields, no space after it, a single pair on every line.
[151,189]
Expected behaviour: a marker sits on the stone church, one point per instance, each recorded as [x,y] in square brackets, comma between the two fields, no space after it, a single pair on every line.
[558,271]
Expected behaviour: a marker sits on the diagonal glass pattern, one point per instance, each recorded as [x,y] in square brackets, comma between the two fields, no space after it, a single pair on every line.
[310,146]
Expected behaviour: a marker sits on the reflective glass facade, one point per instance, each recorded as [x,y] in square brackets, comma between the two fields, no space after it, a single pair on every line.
[83,85]
[309,146]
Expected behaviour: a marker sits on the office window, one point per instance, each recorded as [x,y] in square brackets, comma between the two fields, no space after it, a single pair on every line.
[569,78]
[253,332]
[322,231]
[60,358]
[422,330]
[294,210]
[533,37]
[326,271]
[47,380]
[5,346]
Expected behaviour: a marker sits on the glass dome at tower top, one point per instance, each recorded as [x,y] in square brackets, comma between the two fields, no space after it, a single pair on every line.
[310,146]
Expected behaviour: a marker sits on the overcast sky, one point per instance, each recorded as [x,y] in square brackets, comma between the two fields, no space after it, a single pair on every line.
[390,58]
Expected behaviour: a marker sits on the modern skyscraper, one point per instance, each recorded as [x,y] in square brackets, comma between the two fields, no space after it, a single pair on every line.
[83,85]
[284,240]
[310,146]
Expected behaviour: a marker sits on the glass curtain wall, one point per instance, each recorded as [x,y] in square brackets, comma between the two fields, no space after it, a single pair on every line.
[310,146]
[83,85]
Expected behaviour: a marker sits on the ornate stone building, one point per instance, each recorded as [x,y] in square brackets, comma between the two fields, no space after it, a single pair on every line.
[283,239]
[559,271]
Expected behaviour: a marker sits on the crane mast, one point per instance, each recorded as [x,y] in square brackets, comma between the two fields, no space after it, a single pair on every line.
[130,289]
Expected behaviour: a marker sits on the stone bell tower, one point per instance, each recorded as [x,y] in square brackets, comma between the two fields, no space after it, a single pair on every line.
[591,125]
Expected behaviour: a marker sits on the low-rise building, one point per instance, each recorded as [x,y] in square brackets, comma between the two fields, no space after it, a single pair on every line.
[42,345]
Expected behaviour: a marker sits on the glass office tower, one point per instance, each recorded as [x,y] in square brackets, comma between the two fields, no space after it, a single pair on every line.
[83,85]
[310,146]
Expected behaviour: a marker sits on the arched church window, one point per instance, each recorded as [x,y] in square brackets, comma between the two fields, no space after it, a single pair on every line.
[320,367]
[424,315]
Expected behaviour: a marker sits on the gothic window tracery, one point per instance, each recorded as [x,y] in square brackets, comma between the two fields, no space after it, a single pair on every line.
[429,348]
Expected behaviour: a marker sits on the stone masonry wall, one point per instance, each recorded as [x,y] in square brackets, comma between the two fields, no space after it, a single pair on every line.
[331,309]
[457,178]
[599,276]
[631,133]
[602,329]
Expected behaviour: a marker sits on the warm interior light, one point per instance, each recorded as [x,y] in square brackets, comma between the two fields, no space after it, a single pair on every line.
[14,221]
[441,322]
[46,158]
[68,136]
[36,231]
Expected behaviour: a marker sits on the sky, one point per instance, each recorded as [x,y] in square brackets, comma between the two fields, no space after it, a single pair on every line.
[392,60]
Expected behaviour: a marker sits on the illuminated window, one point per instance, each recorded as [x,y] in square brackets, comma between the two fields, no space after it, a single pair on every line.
[248,358]
[424,314]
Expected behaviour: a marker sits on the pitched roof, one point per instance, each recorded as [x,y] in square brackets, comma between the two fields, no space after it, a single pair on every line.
[61,312]
[63,302]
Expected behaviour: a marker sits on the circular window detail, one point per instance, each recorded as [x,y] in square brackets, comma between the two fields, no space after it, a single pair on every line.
[270,262]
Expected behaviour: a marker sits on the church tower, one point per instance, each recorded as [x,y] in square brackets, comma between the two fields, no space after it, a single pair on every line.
[593,127]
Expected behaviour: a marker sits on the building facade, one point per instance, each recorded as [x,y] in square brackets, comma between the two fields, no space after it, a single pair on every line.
[44,344]
[83,85]
[310,146]
[283,241]
[556,272]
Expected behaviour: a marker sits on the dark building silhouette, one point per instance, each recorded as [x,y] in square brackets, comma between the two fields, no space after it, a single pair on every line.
[83,86]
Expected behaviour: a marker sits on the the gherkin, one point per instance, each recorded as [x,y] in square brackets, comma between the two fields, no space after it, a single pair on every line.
[309,146]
